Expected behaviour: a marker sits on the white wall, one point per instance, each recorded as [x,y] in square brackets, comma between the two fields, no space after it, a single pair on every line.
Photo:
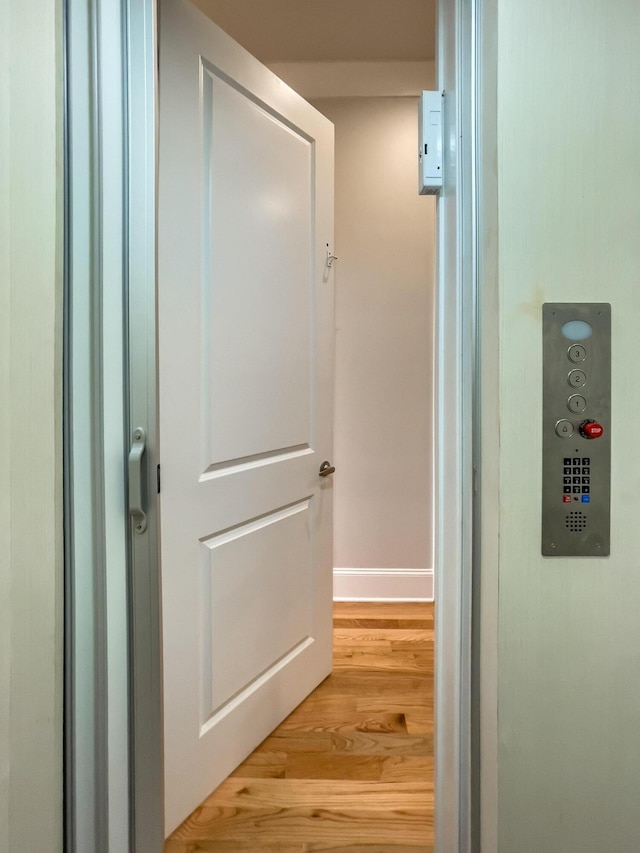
[384,352]
[30,428]
[384,279]
[569,226]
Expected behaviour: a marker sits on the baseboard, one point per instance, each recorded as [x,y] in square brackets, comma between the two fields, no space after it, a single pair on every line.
[383,584]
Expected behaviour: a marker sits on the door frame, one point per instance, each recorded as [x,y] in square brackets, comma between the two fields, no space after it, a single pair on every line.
[457,435]
[126,41]
[113,698]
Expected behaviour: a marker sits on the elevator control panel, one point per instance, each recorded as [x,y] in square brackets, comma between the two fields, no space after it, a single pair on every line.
[576,429]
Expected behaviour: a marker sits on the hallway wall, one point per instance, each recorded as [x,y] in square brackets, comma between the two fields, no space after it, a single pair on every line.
[383,530]
[384,280]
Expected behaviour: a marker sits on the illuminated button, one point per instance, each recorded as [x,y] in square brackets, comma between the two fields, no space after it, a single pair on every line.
[577,330]
[564,428]
[577,379]
[577,353]
[576,403]
[586,499]
[566,499]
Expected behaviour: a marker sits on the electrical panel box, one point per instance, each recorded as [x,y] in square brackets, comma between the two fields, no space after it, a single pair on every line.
[576,429]
[430,143]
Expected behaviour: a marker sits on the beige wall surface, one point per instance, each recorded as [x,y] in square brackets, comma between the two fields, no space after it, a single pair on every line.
[384,343]
[30,428]
[569,230]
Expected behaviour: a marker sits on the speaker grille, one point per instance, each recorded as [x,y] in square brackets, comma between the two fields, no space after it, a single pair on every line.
[576,521]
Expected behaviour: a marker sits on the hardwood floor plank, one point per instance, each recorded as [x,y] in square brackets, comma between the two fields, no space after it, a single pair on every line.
[349,742]
[217,846]
[376,630]
[293,741]
[309,765]
[351,769]
[373,743]
[419,723]
[359,681]
[415,704]
[328,710]
[336,794]
[398,768]
[409,826]
[369,848]
[263,765]
[404,610]
[414,624]
[321,847]
[385,637]
[357,659]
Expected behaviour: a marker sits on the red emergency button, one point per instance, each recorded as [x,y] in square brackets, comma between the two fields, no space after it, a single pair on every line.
[591,429]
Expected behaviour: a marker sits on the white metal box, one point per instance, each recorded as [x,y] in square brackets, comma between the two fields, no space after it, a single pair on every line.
[430,143]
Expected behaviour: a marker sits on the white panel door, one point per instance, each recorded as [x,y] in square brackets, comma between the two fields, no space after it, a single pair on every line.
[245,357]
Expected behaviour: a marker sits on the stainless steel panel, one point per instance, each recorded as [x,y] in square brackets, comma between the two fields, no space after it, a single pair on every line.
[576,523]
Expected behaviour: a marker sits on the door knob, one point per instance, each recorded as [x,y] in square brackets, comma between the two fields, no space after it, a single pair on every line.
[326,468]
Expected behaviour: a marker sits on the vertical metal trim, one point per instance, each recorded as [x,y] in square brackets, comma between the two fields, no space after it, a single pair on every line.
[456,413]
[69,795]
[126,218]
[101,684]
[92,425]
[465,73]
[147,772]
[84,506]
[486,434]
[476,420]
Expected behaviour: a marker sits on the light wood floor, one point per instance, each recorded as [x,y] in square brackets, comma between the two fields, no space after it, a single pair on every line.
[351,769]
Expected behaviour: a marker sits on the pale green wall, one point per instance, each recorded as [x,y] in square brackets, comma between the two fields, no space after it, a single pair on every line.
[569,229]
[30,427]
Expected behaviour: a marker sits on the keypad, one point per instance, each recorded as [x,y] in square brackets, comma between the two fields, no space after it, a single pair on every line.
[576,479]
[576,362]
